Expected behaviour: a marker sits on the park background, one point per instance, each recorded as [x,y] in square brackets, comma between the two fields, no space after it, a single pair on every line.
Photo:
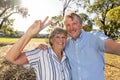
[17,15]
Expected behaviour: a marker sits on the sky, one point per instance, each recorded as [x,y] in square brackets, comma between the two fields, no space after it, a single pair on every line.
[38,9]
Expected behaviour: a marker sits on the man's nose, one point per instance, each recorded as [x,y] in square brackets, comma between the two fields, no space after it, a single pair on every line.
[71,27]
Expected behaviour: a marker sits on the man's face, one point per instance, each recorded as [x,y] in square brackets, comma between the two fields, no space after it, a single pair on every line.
[73,27]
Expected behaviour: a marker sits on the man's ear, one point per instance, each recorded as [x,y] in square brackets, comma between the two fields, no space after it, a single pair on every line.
[64,27]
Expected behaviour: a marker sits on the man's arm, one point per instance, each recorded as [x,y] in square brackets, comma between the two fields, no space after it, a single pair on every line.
[43,46]
[112,46]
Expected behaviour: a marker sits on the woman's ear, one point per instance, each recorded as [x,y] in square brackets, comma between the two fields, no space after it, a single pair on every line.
[51,41]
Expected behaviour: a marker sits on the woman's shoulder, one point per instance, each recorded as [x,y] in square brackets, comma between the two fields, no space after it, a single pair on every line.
[36,51]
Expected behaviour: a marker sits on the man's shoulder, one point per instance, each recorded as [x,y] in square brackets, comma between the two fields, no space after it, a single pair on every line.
[99,34]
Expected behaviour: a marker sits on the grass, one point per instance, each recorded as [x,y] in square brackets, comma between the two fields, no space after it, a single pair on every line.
[9,71]
[13,40]
[8,40]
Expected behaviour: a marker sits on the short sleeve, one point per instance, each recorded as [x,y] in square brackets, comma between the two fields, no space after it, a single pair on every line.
[100,35]
[33,55]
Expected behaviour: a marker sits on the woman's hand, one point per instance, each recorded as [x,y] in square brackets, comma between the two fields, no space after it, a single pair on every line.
[37,26]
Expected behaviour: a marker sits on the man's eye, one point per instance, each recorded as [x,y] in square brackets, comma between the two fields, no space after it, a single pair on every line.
[74,23]
[57,37]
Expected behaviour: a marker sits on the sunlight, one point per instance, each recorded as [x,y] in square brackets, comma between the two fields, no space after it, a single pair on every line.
[38,9]
[42,8]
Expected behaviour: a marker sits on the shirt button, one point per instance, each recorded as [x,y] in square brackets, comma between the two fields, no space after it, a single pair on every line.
[78,61]
[80,79]
[78,68]
[77,44]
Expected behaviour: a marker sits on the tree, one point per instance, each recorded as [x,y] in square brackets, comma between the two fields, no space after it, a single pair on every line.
[87,22]
[68,6]
[113,22]
[113,15]
[74,5]
[57,22]
[8,8]
[100,9]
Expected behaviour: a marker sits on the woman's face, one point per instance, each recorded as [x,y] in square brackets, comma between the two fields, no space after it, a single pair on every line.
[59,41]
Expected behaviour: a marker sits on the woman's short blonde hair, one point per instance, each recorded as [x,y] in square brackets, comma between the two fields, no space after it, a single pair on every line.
[56,31]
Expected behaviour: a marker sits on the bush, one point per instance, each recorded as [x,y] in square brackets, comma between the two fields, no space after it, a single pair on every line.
[9,71]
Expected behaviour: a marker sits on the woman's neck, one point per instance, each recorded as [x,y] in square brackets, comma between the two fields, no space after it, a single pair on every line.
[58,52]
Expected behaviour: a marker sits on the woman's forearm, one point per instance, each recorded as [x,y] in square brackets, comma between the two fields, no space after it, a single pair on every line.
[15,53]
[17,48]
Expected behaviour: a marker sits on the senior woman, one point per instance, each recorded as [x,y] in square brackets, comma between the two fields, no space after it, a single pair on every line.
[50,64]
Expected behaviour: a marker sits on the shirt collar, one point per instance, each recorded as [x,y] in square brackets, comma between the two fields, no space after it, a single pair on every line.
[53,54]
[82,35]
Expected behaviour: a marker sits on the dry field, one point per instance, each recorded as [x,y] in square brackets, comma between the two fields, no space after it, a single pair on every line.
[9,71]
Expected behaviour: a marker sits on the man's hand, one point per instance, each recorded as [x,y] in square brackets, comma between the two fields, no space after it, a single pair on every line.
[43,46]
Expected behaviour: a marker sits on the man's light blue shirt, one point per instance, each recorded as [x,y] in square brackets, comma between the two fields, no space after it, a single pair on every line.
[86,56]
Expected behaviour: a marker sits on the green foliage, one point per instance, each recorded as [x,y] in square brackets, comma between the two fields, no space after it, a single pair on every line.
[74,5]
[87,28]
[87,22]
[8,8]
[57,22]
[100,8]
[114,15]
[113,21]
[9,31]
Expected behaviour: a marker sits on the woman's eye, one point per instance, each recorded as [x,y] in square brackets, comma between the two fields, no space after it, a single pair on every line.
[63,37]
